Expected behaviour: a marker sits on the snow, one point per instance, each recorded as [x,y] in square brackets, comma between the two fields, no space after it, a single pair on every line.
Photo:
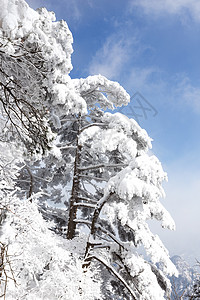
[15,14]
[149,287]
[94,88]
[129,126]
[46,267]
[108,140]
[114,151]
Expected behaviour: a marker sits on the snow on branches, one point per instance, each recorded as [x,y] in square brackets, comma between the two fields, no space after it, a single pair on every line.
[98,169]
[41,261]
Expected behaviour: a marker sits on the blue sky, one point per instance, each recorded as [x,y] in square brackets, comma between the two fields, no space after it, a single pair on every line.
[150,47]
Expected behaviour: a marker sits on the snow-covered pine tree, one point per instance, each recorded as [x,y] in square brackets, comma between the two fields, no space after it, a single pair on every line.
[115,188]
[114,170]
[195,294]
[102,158]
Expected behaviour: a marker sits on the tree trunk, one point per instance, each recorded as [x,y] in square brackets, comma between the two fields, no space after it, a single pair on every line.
[75,190]
[96,214]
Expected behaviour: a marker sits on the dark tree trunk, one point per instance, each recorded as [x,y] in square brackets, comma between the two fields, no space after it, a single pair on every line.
[93,229]
[75,190]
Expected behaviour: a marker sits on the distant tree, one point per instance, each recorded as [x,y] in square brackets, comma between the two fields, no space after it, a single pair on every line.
[182,285]
[176,294]
[195,291]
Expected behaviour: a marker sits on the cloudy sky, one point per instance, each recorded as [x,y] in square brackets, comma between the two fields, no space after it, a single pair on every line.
[151,48]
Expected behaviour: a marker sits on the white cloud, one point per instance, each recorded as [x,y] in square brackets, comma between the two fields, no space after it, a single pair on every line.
[111,58]
[173,7]
[117,59]
[178,90]
[188,93]
[139,77]
[146,79]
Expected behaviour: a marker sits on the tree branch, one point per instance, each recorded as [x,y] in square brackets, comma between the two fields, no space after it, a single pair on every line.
[112,270]
[93,124]
[102,166]
[85,205]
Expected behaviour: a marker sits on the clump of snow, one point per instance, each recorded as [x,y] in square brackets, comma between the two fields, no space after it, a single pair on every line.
[146,281]
[130,127]
[16,18]
[97,88]
[108,140]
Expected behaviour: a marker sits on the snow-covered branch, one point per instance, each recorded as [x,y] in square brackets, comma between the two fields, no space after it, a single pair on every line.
[92,167]
[114,272]
[81,204]
[93,124]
